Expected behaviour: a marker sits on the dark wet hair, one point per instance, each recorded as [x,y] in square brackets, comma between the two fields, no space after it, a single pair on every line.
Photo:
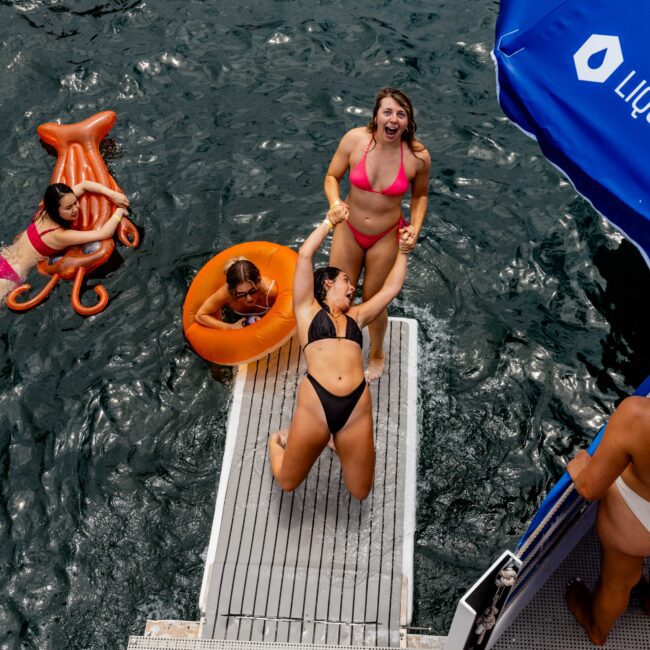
[239,270]
[403,100]
[51,200]
[320,276]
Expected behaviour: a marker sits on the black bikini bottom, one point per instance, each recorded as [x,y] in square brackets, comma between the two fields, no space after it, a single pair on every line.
[337,408]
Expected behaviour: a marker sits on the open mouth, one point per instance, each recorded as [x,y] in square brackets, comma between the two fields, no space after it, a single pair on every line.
[391,130]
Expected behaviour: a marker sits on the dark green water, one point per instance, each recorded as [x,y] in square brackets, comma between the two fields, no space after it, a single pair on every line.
[111,431]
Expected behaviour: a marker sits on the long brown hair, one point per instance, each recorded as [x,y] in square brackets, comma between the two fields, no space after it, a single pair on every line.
[403,100]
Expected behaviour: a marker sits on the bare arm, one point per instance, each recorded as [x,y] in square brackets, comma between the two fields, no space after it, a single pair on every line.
[593,475]
[64,238]
[419,200]
[117,198]
[338,166]
[303,280]
[213,304]
[369,310]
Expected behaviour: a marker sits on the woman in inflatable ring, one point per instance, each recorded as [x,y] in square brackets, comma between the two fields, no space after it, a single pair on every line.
[51,230]
[247,294]
[333,399]
[384,159]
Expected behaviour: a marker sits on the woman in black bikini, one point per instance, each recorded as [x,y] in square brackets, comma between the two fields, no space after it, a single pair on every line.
[333,399]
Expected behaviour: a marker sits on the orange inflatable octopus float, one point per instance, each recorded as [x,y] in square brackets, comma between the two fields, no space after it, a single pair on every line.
[79,159]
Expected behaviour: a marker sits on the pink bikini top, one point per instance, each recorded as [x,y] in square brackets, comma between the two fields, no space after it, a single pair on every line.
[36,240]
[359,176]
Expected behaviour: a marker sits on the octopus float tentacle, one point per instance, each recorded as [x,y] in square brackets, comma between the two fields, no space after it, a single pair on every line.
[76,296]
[12,303]
[128,234]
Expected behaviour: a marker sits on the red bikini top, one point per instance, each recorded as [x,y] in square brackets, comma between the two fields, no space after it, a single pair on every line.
[36,240]
[359,176]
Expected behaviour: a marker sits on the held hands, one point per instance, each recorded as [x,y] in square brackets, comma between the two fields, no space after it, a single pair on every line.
[577,464]
[407,239]
[338,212]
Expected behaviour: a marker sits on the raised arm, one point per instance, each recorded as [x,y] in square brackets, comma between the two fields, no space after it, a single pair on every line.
[303,280]
[64,238]
[117,198]
[338,166]
[367,311]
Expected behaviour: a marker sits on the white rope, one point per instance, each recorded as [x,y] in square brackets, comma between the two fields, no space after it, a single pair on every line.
[533,536]
[507,576]
[488,619]
[485,622]
[529,565]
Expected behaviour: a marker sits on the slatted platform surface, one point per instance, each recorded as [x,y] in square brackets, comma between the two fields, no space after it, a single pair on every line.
[142,643]
[546,623]
[315,566]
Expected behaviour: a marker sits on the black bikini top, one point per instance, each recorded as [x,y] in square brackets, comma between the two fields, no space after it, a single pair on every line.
[322,327]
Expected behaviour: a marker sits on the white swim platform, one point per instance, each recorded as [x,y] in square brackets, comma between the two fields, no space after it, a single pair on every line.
[314,567]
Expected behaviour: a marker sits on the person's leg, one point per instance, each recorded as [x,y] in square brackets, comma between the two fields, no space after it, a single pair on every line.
[624,542]
[597,614]
[379,261]
[292,454]
[618,574]
[346,254]
[356,449]
[5,287]
[643,588]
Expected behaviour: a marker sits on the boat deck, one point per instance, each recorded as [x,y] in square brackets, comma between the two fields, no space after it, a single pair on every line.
[546,623]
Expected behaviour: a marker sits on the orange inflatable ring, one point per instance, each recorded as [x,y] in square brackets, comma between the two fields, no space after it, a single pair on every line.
[234,347]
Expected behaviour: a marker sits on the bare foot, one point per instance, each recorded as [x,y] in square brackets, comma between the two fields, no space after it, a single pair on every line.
[578,599]
[331,444]
[375,367]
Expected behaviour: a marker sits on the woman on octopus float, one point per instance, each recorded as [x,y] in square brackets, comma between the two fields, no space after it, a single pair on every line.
[245,298]
[384,159]
[50,231]
[333,398]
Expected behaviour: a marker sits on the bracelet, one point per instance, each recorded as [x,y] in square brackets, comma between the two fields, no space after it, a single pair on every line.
[118,217]
[328,223]
[336,203]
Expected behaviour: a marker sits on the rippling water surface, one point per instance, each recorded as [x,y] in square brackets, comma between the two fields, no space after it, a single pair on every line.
[112,431]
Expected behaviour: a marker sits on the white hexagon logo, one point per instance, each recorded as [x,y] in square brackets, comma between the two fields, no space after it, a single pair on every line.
[608,48]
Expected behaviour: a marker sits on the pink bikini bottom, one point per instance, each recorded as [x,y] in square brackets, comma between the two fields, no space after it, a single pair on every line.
[368,241]
[7,272]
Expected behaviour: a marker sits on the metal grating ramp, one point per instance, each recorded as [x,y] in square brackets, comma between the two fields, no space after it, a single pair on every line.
[315,566]
[546,623]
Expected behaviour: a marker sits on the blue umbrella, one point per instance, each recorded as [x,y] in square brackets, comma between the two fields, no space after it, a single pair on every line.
[575,75]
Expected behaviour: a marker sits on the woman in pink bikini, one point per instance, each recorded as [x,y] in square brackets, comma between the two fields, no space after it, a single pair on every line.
[384,159]
[50,231]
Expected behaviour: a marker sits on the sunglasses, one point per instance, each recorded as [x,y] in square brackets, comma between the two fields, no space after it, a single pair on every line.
[239,295]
